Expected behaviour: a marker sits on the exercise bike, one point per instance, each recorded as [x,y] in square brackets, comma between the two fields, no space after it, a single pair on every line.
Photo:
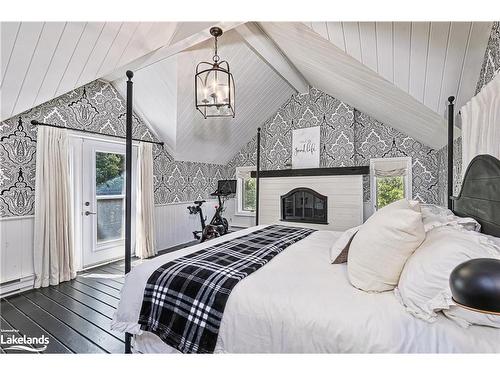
[219,225]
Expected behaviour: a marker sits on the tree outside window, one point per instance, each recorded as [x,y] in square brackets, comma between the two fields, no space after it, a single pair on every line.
[246,191]
[249,192]
[389,189]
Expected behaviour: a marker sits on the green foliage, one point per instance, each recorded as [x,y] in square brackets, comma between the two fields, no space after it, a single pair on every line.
[389,189]
[108,166]
[249,193]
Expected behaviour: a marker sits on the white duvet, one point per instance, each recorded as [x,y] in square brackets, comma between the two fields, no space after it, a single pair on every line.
[300,303]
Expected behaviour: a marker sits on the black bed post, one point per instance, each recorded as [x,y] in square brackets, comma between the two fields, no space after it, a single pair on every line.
[128,190]
[451,116]
[257,179]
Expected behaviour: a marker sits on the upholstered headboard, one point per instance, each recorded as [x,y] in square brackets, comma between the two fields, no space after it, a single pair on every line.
[479,197]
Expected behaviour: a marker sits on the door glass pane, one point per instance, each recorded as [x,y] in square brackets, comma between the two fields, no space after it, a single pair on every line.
[110,219]
[109,173]
[389,189]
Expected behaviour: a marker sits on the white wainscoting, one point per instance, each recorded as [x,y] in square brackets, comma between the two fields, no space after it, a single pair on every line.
[16,254]
[174,225]
[237,220]
[345,199]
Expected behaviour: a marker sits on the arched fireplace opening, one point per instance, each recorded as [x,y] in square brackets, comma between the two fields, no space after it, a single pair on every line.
[304,205]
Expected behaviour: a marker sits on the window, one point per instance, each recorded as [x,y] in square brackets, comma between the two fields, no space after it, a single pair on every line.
[110,196]
[246,191]
[390,180]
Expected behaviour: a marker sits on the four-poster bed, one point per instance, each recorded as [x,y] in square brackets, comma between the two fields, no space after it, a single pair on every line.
[253,295]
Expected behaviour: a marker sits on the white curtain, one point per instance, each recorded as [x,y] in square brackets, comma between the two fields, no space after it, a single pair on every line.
[481,123]
[53,246]
[145,239]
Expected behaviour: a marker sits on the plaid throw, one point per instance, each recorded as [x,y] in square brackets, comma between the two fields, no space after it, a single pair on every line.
[184,299]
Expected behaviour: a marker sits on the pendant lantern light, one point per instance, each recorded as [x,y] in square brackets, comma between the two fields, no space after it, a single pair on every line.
[214,85]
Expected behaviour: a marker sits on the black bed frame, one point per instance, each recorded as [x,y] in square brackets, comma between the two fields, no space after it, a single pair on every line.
[479,196]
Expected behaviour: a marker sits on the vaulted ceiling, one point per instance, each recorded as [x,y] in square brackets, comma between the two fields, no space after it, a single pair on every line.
[398,72]
[428,60]
[42,60]
[164,93]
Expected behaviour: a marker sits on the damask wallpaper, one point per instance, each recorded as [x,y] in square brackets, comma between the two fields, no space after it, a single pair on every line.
[183,181]
[491,61]
[96,107]
[348,137]
[443,171]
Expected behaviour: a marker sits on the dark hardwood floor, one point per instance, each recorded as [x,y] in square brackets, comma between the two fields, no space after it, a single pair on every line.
[74,315]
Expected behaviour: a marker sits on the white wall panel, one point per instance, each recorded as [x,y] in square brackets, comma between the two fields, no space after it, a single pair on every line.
[99,53]
[428,60]
[119,44]
[453,62]
[336,33]
[352,39]
[80,57]
[8,36]
[20,62]
[473,61]
[385,52]
[321,28]
[174,225]
[368,45]
[42,59]
[16,252]
[418,58]
[436,60]
[62,57]
[402,34]
[345,199]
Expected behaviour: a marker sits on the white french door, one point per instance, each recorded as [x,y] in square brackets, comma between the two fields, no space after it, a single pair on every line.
[103,201]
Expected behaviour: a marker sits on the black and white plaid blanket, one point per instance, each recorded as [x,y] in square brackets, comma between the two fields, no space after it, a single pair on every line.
[184,299]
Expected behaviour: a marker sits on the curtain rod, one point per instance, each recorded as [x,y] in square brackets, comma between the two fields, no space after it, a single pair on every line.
[35,122]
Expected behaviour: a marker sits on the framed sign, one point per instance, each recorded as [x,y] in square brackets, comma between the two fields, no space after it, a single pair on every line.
[305,148]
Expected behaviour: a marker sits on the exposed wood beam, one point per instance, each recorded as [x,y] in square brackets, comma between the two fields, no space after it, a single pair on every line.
[182,39]
[264,47]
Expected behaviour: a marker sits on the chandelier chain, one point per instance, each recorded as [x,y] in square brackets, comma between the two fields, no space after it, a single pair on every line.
[216,57]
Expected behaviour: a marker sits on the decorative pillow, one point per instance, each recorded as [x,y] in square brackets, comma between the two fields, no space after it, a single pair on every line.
[340,249]
[424,287]
[435,216]
[379,250]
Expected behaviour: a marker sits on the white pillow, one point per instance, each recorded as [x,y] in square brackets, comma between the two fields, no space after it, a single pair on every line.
[382,245]
[424,287]
[435,216]
[341,244]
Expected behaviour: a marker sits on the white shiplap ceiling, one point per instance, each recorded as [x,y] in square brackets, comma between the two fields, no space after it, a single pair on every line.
[164,94]
[42,60]
[416,65]
[428,60]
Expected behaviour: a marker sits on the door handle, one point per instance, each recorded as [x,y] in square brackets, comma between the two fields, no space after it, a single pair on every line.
[87,213]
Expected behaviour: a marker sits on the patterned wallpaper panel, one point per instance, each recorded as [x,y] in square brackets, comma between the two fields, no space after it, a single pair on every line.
[491,61]
[443,170]
[183,181]
[348,137]
[97,107]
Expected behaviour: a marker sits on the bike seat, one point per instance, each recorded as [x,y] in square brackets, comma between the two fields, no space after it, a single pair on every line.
[199,202]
